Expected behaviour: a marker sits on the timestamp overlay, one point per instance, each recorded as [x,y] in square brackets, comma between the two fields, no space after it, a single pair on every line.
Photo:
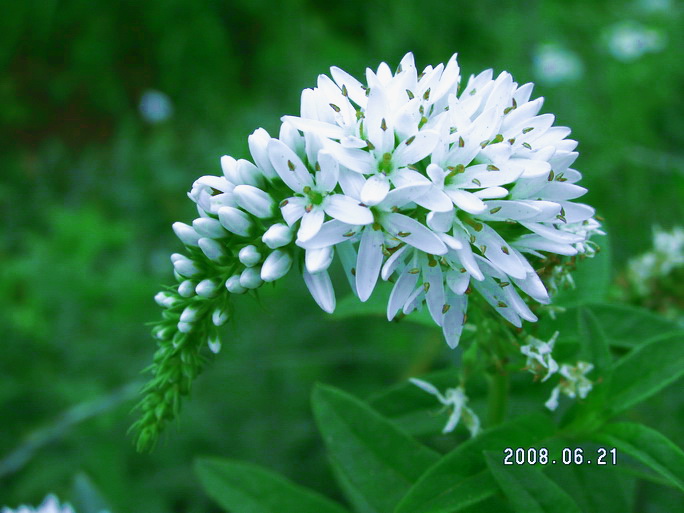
[600,456]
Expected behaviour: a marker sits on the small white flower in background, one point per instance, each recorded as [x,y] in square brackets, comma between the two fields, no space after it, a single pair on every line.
[628,41]
[49,505]
[573,383]
[456,400]
[666,256]
[554,64]
[155,106]
[539,357]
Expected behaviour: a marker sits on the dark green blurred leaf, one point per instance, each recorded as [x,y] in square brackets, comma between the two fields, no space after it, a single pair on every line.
[379,461]
[593,340]
[646,445]
[592,277]
[87,498]
[461,479]
[528,489]
[246,488]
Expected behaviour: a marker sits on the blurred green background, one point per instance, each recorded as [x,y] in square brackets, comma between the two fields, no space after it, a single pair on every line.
[109,110]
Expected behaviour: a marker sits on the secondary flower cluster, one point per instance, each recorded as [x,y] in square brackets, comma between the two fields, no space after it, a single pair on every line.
[49,505]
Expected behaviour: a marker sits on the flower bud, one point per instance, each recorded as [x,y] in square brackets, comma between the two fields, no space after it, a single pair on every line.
[184,327]
[254,200]
[208,227]
[177,256]
[251,278]
[190,314]
[258,142]
[207,288]
[229,167]
[249,256]
[187,288]
[186,234]
[249,173]
[277,235]
[276,265]
[185,267]
[233,285]
[214,344]
[165,299]
[163,332]
[219,317]
[235,221]
[213,250]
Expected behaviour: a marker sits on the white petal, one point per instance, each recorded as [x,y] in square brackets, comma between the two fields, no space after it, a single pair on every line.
[293,210]
[435,200]
[416,149]
[465,254]
[492,193]
[369,262]
[466,201]
[351,183]
[321,289]
[561,191]
[496,248]
[331,233]
[428,387]
[352,158]
[454,319]
[347,210]
[440,221]
[402,195]
[553,234]
[536,242]
[288,166]
[375,189]
[393,262]
[434,295]
[354,88]
[458,281]
[347,254]
[311,223]
[401,291]
[452,242]
[317,260]
[412,232]
[319,127]
[531,284]
[577,212]
[508,209]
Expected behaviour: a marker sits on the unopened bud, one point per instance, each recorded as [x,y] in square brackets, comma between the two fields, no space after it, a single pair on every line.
[276,265]
[249,255]
[277,235]
[164,299]
[251,278]
[184,327]
[219,317]
[187,288]
[186,234]
[185,267]
[213,250]
[207,288]
[258,143]
[208,227]
[249,174]
[235,221]
[254,200]
[214,344]
[190,314]
[233,285]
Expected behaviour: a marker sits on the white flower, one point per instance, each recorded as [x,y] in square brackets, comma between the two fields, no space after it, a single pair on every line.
[573,383]
[629,40]
[666,256]
[554,64]
[49,505]
[539,357]
[455,399]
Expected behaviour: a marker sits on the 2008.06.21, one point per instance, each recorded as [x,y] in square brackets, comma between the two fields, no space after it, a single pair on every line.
[567,456]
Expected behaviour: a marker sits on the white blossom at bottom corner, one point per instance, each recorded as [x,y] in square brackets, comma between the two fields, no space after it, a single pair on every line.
[49,505]
[455,399]
[573,383]
[539,356]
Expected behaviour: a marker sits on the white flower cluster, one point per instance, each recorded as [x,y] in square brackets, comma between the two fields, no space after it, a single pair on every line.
[456,400]
[573,383]
[405,179]
[666,256]
[539,356]
[49,505]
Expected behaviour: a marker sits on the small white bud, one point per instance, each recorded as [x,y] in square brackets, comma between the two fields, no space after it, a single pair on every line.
[184,327]
[249,256]
[186,234]
[207,288]
[212,249]
[277,235]
[164,299]
[255,201]
[249,174]
[233,285]
[235,221]
[251,278]
[258,143]
[177,256]
[229,167]
[219,317]
[187,288]
[190,314]
[208,227]
[163,332]
[276,265]
[185,267]
[227,199]
[214,344]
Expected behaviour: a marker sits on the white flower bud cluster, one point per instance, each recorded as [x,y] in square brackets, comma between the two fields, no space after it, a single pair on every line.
[50,505]
[573,383]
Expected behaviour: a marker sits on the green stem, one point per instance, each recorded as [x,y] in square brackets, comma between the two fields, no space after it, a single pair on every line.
[498,397]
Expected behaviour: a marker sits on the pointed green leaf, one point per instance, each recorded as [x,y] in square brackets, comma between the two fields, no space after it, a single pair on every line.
[378,460]
[248,488]
[648,446]
[461,478]
[528,489]
[593,340]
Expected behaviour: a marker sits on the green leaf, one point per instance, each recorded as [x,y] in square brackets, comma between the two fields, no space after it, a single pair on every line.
[461,478]
[648,446]
[528,489]
[374,457]
[592,278]
[246,488]
[593,340]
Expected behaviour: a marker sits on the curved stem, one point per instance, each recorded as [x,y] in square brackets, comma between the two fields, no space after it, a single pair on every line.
[497,402]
